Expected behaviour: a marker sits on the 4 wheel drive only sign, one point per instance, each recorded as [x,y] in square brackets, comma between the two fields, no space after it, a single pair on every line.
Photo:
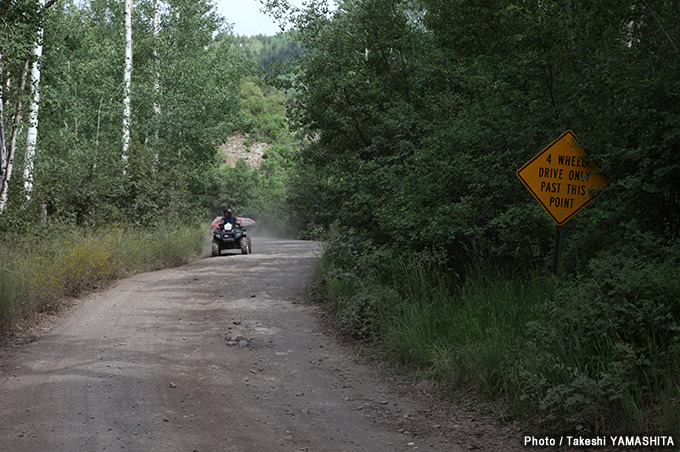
[562,178]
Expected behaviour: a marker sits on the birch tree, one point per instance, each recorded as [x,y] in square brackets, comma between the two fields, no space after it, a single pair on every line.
[127,81]
[3,145]
[184,93]
[18,23]
[157,78]
[32,135]
[9,165]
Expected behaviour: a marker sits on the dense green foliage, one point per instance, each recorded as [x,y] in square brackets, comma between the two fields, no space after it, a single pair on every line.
[208,88]
[80,173]
[422,119]
[267,51]
[419,113]
[260,193]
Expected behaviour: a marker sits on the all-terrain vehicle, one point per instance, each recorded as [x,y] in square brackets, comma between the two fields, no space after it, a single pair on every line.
[230,237]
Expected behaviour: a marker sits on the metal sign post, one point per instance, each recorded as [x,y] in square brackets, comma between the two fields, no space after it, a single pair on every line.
[558,250]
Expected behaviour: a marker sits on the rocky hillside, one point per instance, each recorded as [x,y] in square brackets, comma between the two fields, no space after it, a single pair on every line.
[242,147]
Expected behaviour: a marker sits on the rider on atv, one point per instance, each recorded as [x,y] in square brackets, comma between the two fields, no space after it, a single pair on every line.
[227,218]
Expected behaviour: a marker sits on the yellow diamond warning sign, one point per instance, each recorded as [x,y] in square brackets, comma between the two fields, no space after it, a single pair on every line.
[562,178]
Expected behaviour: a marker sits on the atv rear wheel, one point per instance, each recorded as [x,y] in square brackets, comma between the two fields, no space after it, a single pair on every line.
[215,248]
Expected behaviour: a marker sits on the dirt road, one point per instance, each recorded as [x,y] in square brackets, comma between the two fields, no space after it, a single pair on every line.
[223,354]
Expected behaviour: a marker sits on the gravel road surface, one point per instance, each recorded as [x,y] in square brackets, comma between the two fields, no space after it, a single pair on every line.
[223,354]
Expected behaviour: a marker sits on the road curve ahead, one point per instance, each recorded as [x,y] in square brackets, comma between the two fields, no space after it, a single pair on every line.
[223,354]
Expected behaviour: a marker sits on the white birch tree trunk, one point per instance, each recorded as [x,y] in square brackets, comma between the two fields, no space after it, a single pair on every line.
[157,80]
[32,136]
[127,80]
[7,175]
[3,143]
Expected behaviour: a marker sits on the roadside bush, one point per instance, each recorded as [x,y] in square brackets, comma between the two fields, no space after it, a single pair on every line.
[346,279]
[14,285]
[592,353]
[612,340]
[88,263]
[37,275]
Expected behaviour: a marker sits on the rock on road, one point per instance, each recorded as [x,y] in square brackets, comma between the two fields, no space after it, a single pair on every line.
[223,354]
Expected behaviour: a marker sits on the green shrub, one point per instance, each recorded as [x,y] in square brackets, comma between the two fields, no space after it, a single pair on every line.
[38,274]
[592,353]
[612,341]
